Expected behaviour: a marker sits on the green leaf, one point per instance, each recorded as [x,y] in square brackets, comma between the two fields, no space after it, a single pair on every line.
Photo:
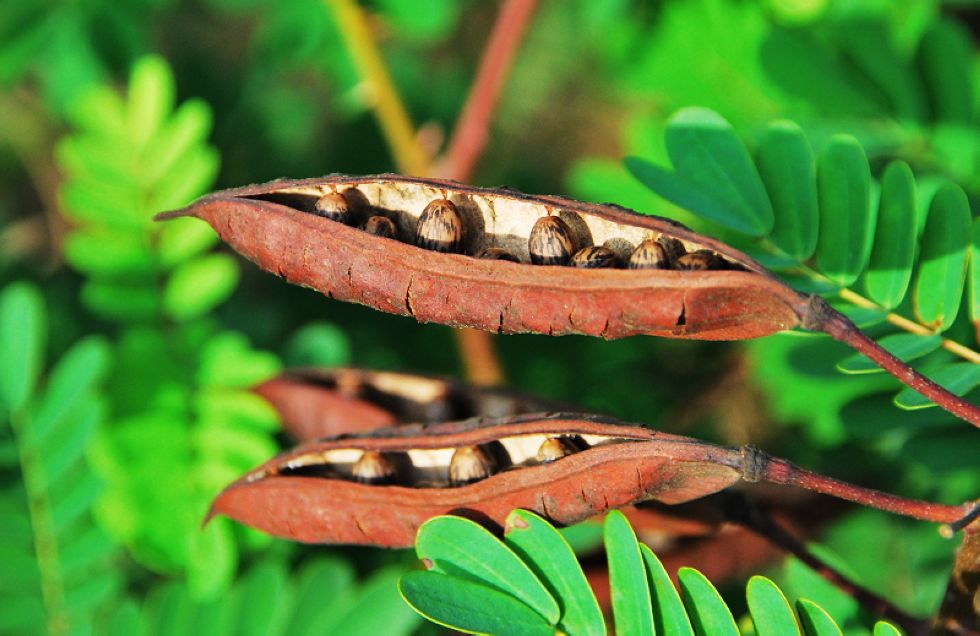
[129,255]
[318,344]
[198,286]
[550,558]
[182,239]
[770,611]
[121,301]
[23,337]
[904,346]
[846,217]
[959,378]
[709,614]
[789,172]
[319,581]
[942,264]
[890,268]
[465,606]
[376,608]
[263,590]
[628,588]
[70,384]
[975,278]
[183,130]
[815,620]
[684,192]
[150,99]
[886,629]
[945,59]
[463,548]
[669,616]
[704,148]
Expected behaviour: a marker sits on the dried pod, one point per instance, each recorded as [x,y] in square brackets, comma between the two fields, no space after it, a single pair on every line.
[380,226]
[595,257]
[497,254]
[650,254]
[439,227]
[701,260]
[333,206]
[550,241]
[469,464]
[373,468]
[555,448]
[266,223]
[308,494]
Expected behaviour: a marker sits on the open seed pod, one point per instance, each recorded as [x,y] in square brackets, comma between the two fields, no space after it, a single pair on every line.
[277,225]
[315,403]
[377,488]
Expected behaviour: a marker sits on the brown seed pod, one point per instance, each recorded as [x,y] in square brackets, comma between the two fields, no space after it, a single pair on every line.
[309,494]
[470,464]
[380,226]
[333,206]
[702,260]
[497,254]
[650,254]
[550,242]
[439,227]
[267,224]
[373,468]
[555,448]
[595,257]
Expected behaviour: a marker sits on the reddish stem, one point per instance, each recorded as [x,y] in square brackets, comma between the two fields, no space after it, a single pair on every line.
[743,512]
[472,128]
[822,317]
[466,145]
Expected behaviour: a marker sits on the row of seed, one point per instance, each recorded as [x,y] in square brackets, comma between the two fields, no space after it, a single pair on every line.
[439,228]
[467,465]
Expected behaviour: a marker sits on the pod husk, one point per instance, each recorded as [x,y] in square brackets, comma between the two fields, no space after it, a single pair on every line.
[268,225]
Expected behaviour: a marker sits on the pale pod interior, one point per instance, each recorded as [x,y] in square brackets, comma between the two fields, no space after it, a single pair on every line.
[437,467]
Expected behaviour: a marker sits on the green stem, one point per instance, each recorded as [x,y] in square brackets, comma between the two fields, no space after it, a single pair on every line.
[42,524]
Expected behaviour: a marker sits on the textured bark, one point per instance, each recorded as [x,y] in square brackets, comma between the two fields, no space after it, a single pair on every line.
[272,225]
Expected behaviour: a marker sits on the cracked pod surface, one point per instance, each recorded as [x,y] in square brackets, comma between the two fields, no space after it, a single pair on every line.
[377,488]
[277,225]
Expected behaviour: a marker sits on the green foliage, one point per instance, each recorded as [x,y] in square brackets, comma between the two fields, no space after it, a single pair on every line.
[59,566]
[465,589]
[179,397]
[845,232]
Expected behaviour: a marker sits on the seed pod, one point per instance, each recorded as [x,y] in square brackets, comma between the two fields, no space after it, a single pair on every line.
[550,242]
[380,226]
[649,254]
[701,260]
[301,496]
[595,257]
[469,464]
[439,227]
[333,206]
[555,448]
[497,254]
[373,468]
[266,224]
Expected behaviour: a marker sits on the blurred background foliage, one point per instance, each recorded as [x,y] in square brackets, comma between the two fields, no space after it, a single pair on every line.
[128,346]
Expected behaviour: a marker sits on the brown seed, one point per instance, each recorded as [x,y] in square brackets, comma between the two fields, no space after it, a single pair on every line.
[380,226]
[550,242]
[595,257]
[649,254]
[497,254]
[469,464]
[333,206]
[673,247]
[700,260]
[439,227]
[373,468]
[555,448]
